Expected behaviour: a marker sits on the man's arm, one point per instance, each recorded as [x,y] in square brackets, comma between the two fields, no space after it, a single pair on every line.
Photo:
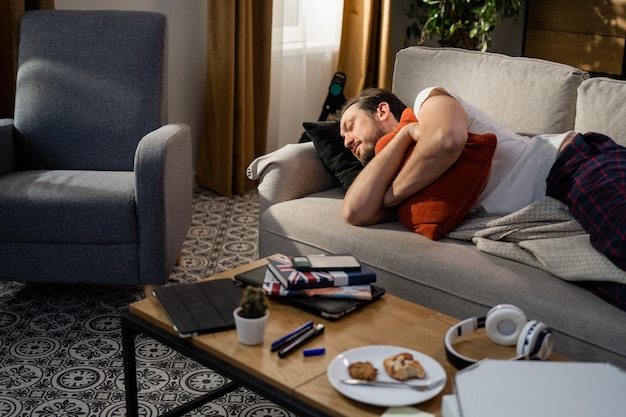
[440,140]
[363,202]
[440,136]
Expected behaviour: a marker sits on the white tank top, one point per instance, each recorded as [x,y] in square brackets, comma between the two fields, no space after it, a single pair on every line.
[520,165]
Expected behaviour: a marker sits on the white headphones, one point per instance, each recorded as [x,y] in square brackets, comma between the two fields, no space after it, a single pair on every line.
[505,325]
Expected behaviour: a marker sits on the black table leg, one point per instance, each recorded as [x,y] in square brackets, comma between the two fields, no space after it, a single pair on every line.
[133,325]
[129,333]
[130,368]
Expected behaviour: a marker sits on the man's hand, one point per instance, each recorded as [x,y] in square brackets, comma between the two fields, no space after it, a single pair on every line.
[440,137]
[412,132]
[363,203]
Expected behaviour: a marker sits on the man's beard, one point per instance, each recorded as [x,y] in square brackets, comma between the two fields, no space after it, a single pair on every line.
[367,155]
[369,151]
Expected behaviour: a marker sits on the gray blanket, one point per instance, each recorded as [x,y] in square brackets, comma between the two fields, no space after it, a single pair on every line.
[543,235]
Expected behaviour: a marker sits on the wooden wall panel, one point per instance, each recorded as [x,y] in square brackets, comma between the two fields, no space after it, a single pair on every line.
[590,52]
[604,17]
[588,34]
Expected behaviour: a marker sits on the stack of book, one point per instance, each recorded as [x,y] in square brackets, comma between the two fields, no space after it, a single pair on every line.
[283,279]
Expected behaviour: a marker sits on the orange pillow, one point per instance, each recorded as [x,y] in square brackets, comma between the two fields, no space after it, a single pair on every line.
[438,208]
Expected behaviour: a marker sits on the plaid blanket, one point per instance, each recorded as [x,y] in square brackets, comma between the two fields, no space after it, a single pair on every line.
[589,176]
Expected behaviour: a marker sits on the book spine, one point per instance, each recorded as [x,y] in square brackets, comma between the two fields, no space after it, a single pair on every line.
[333,279]
[273,287]
[278,275]
[364,276]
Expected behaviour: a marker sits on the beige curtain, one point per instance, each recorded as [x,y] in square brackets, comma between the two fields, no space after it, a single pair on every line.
[365,54]
[238,74]
[11,12]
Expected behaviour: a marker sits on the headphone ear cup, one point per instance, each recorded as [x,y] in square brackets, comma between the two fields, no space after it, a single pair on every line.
[535,341]
[504,324]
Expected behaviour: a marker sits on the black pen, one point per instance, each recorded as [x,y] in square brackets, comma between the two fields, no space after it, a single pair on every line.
[283,341]
[310,334]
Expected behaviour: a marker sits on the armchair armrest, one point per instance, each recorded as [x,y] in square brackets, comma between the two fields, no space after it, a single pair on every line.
[7,147]
[291,172]
[164,193]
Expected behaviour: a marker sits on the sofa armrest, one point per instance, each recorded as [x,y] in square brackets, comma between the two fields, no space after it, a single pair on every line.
[164,194]
[7,147]
[291,172]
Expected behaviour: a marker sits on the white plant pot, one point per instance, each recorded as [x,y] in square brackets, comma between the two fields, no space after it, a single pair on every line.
[250,331]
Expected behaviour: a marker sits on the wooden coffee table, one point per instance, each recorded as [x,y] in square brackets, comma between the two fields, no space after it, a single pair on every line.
[300,383]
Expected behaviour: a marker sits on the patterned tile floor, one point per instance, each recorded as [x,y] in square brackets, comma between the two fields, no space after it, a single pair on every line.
[60,345]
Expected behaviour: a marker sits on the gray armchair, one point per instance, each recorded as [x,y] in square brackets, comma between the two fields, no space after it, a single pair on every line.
[94,186]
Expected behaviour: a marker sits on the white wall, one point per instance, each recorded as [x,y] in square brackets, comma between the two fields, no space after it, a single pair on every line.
[187,60]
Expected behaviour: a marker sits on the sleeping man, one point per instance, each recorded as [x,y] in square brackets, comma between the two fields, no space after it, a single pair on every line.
[406,152]
[519,167]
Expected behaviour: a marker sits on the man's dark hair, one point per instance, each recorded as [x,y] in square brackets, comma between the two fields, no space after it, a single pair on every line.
[370,98]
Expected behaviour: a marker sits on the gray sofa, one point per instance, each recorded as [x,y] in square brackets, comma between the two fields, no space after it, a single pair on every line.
[300,201]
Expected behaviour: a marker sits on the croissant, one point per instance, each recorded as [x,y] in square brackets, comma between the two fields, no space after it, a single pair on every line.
[402,366]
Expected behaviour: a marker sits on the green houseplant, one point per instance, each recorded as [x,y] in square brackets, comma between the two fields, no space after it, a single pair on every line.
[458,23]
[251,316]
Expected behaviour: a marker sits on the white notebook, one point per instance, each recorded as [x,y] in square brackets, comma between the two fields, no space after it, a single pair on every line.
[495,388]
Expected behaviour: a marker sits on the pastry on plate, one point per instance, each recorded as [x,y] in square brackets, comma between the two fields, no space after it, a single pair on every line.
[403,366]
[362,370]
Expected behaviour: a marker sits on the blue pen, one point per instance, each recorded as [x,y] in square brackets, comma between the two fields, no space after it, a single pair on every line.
[308,335]
[291,336]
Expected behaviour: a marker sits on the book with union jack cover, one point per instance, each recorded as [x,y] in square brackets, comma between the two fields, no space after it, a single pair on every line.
[292,279]
[273,287]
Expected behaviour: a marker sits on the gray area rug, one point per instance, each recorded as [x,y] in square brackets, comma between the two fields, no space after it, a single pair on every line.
[61,349]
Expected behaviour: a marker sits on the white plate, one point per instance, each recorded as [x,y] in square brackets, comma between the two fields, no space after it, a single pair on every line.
[384,397]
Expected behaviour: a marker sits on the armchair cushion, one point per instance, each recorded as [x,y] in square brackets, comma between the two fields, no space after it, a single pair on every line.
[62,124]
[68,207]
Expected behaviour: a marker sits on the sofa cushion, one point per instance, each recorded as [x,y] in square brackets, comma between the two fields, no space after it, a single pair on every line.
[600,108]
[339,160]
[540,100]
[441,206]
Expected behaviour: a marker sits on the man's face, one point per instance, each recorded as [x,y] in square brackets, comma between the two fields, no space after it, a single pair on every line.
[360,131]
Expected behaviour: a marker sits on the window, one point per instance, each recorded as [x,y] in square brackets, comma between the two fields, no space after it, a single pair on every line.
[305,45]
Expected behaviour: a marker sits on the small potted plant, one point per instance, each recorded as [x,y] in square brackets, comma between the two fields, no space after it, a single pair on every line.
[251,316]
